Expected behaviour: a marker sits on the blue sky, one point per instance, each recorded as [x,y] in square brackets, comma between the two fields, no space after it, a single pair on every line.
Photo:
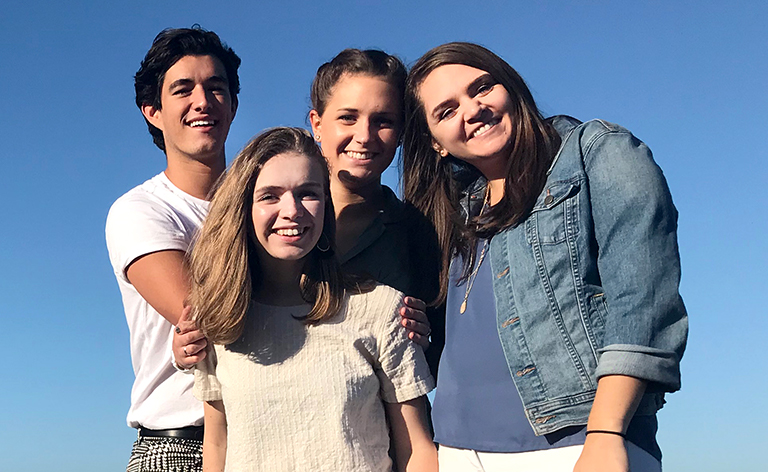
[688,78]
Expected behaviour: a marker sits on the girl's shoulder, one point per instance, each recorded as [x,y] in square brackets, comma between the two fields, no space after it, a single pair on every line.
[375,307]
[376,294]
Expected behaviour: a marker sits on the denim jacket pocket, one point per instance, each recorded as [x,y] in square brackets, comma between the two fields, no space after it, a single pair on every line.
[555,214]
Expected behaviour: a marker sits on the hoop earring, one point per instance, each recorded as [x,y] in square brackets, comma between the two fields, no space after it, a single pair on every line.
[327,243]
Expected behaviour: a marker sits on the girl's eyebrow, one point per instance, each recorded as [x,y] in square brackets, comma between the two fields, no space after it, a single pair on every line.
[482,80]
[278,188]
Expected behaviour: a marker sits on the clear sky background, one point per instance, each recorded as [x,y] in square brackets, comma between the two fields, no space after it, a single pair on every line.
[688,78]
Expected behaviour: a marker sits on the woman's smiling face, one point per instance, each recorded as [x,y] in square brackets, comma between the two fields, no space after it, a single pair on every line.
[359,129]
[469,115]
[288,208]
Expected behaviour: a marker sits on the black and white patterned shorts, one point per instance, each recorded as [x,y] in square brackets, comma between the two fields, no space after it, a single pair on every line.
[166,455]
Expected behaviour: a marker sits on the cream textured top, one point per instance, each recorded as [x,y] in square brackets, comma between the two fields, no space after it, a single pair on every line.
[309,398]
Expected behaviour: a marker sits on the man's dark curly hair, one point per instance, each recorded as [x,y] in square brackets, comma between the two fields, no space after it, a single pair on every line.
[168,47]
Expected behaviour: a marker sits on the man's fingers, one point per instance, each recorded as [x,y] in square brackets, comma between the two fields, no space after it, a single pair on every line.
[191,361]
[195,347]
[186,313]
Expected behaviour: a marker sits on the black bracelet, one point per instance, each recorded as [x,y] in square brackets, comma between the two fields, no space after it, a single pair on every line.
[617,433]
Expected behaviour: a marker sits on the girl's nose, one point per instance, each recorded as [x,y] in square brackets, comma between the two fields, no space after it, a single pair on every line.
[291,207]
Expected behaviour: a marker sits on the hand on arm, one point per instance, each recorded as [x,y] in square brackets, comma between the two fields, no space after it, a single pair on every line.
[415,320]
[215,437]
[413,444]
[615,403]
[188,342]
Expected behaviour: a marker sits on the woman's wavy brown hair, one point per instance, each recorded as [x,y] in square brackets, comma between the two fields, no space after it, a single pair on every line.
[429,180]
[223,263]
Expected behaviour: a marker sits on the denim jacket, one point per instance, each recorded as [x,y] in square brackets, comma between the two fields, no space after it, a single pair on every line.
[587,284]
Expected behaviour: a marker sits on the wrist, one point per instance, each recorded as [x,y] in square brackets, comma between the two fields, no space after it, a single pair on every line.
[606,432]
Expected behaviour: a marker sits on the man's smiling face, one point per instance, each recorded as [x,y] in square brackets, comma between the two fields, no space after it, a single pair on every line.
[197,109]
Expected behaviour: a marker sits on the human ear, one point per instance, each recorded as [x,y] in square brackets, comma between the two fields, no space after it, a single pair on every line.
[153,115]
[440,150]
[314,121]
[235,103]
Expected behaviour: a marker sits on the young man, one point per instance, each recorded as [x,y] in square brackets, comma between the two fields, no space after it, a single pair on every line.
[186,88]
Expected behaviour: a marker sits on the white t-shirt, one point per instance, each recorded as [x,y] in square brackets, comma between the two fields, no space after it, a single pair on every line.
[152,217]
[310,397]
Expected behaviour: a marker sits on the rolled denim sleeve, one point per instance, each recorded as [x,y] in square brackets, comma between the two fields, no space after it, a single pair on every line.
[635,226]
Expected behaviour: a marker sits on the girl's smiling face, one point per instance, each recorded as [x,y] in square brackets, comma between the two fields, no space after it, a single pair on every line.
[469,115]
[359,129]
[288,208]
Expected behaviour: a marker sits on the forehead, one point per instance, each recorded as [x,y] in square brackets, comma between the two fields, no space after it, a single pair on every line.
[195,68]
[290,169]
[364,91]
[447,80]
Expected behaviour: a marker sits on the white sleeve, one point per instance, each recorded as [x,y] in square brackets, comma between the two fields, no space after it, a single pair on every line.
[207,387]
[138,225]
[403,371]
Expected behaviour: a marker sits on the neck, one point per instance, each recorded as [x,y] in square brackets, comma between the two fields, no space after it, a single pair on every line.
[195,177]
[496,187]
[366,199]
[280,283]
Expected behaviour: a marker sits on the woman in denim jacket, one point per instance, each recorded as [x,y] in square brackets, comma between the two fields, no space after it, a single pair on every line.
[559,347]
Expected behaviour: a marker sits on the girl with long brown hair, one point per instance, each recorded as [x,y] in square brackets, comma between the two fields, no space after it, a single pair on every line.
[564,324]
[308,366]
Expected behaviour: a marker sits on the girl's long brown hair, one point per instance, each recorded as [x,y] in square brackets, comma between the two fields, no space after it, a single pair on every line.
[223,264]
[429,180]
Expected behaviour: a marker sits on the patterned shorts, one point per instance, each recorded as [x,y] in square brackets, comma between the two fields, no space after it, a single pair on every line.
[166,455]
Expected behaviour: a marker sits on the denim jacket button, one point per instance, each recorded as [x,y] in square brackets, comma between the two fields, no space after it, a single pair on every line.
[549,199]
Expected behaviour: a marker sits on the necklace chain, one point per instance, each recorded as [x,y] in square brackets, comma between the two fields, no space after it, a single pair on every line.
[473,276]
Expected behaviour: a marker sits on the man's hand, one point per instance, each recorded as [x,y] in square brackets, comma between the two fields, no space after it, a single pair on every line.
[415,321]
[188,341]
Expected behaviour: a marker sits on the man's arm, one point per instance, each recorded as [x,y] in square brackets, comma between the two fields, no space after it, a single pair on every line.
[161,280]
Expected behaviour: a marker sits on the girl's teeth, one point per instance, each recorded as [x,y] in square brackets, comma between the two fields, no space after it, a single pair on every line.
[359,155]
[484,128]
[288,232]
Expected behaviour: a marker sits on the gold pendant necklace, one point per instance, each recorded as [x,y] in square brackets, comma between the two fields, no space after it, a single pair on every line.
[473,276]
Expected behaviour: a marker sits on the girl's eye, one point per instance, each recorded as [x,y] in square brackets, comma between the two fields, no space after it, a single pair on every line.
[309,195]
[483,89]
[347,118]
[267,197]
[385,123]
[447,113]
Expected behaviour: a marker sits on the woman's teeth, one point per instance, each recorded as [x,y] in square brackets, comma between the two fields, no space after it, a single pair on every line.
[289,232]
[485,128]
[359,155]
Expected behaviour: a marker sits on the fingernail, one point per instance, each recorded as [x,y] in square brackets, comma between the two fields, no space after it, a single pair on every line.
[178,331]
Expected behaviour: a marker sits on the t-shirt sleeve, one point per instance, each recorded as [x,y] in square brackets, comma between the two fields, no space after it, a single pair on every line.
[403,371]
[207,387]
[138,225]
